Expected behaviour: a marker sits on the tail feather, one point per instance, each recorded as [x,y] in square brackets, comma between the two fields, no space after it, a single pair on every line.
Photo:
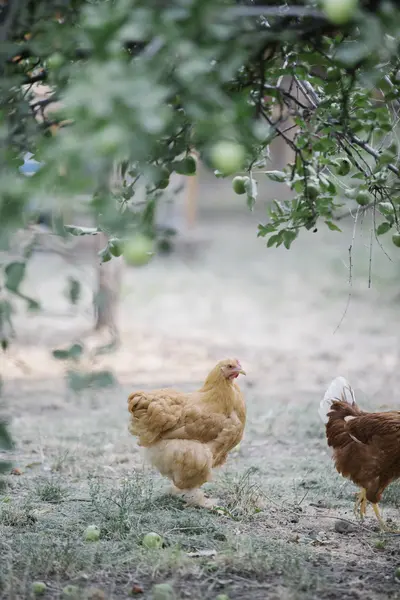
[339,389]
[138,401]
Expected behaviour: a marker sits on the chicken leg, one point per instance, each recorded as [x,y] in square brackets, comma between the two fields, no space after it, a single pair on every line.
[194,497]
[360,507]
[382,523]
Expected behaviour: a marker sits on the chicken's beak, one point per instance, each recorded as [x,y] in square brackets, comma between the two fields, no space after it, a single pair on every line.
[240,372]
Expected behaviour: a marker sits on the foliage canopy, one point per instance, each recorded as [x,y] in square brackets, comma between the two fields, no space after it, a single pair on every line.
[143,83]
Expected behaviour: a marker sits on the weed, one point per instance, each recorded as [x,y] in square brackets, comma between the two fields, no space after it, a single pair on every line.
[118,507]
[50,490]
[18,516]
[243,496]
[61,461]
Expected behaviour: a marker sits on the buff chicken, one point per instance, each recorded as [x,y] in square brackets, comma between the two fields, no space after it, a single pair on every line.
[366,446]
[186,435]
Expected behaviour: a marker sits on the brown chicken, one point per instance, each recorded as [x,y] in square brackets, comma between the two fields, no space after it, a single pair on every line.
[366,446]
[187,435]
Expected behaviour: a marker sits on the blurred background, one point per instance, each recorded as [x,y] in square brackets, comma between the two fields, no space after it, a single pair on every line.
[291,317]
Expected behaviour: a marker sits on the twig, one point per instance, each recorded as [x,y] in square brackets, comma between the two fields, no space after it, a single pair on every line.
[365,146]
[350,270]
[338,518]
[378,240]
[68,500]
[309,91]
[370,253]
[276,11]
[348,213]
[304,89]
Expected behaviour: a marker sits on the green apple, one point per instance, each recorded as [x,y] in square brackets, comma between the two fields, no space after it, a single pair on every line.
[71,592]
[152,540]
[115,247]
[55,61]
[339,11]
[92,533]
[396,239]
[343,166]
[163,184]
[160,177]
[363,198]
[313,190]
[239,184]
[39,588]
[227,157]
[187,166]
[332,73]
[163,591]
[139,250]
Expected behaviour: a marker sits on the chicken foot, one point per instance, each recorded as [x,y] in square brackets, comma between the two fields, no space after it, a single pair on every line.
[382,523]
[194,497]
[360,509]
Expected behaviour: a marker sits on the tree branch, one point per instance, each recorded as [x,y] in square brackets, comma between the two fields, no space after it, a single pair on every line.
[276,11]
[311,94]
[356,140]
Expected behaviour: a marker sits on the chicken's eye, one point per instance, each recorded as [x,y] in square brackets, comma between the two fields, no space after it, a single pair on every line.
[230,366]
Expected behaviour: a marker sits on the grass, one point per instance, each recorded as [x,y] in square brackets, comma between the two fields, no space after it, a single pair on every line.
[274,535]
[51,547]
[50,490]
[273,532]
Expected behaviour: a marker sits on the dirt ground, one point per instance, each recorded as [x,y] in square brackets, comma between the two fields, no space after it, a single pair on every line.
[287,530]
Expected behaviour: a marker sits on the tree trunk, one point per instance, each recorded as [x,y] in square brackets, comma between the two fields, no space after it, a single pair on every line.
[106,294]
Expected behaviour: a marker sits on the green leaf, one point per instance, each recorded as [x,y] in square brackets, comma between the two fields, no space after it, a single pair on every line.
[263,230]
[101,379]
[15,272]
[279,176]
[332,226]
[383,228]
[288,237]
[73,353]
[274,239]
[105,254]
[251,191]
[328,185]
[78,381]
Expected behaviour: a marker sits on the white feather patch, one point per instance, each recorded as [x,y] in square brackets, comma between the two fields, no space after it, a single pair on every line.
[339,389]
[355,439]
